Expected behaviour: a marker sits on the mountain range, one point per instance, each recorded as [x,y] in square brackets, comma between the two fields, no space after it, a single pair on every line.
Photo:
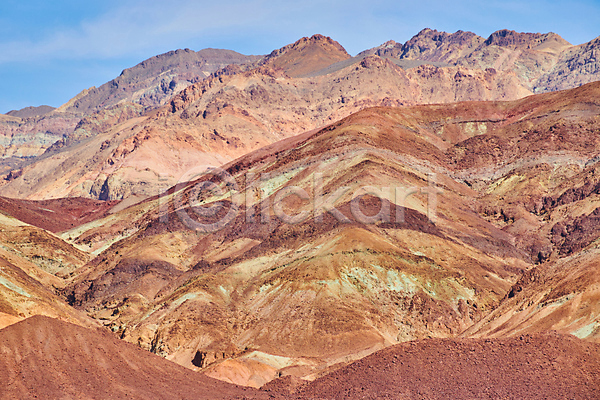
[416,221]
[254,101]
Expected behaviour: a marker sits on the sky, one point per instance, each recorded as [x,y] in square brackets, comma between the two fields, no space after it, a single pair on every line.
[50,51]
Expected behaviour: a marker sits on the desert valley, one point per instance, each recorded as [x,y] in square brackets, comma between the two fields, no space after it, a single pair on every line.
[418,221]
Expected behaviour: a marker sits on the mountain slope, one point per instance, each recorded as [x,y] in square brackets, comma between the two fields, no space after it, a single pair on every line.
[528,367]
[25,290]
[561,295]
[528,55]
[576,66]
[35,263]
[147,85]
[153,81]
[47,358]
[226,116]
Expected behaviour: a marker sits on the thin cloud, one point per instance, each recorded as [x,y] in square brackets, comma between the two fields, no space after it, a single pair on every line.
[132,27]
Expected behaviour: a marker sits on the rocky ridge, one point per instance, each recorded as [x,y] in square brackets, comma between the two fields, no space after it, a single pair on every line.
[228,115]
[511,65]
[32,131]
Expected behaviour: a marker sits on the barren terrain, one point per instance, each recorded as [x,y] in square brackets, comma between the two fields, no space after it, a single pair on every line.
[411,222]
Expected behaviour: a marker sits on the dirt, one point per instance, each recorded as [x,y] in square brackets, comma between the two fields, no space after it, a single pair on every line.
[47,358]
[544,366]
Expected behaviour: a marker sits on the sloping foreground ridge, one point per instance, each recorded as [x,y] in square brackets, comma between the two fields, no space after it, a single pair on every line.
[47,358]
[42,357]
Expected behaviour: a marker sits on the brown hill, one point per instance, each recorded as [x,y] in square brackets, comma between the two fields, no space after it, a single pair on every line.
[46,358]
[548,366]
[37,263]
[28,112]
[87,363]
[307,55]
[153,81]
[561,292]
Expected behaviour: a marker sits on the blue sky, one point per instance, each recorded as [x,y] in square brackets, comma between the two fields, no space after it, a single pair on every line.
[50,51]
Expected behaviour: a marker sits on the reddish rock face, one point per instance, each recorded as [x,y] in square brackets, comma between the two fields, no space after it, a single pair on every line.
[56,215]
[306,56]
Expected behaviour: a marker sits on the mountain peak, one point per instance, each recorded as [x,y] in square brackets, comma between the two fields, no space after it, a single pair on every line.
[513,39]
[433,34]
[307,55]
[31,111]
[431,45]
[317,39]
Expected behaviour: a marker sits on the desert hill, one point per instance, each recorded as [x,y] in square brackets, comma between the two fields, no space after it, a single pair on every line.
[527,367]
[95,365]
[98,365]
[259,297]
